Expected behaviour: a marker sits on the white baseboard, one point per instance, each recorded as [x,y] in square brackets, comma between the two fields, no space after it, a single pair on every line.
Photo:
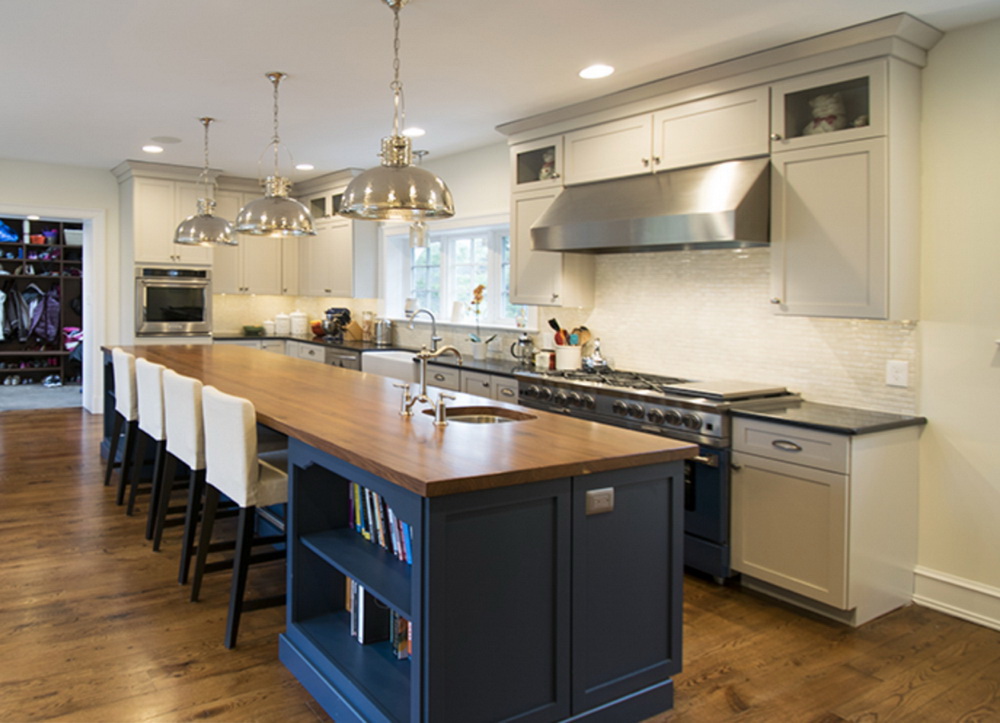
[957,596]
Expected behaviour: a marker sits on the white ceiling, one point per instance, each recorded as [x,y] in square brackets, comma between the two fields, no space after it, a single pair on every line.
[89,82]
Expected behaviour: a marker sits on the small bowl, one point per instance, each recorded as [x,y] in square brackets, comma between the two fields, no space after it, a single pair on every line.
[253,331]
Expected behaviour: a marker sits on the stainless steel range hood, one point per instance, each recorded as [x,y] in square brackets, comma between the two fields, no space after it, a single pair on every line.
[723,205]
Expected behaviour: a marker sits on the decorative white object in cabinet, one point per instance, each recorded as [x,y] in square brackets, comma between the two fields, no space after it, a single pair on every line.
[340,260]
[825,517]
[254,266]
[845,213]
[537,164]
[721,128]
[156,207]
[544,278]
[859,90]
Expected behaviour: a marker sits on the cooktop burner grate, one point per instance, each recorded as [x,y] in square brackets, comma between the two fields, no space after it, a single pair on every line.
[621,379]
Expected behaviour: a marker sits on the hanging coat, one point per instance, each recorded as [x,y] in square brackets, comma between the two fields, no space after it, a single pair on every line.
[3,322]
[45,317]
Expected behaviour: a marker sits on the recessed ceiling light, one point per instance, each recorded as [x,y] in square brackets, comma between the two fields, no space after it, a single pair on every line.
[413,132]
[305,167]
[596,71]
[152,149]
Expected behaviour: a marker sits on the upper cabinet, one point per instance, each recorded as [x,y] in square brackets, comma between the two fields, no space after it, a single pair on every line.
[834,106]
[155,207]
[844,225]
[255,264]
[610,150]
[537,164]
[719,128]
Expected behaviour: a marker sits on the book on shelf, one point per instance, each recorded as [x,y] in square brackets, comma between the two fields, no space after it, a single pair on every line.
[372,518]
[374,622]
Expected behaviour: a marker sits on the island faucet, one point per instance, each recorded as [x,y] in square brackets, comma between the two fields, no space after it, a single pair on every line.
[406,409]
[434,334]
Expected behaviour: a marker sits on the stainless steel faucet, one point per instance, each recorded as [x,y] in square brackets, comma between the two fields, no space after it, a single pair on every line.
[406,408]
[434,333]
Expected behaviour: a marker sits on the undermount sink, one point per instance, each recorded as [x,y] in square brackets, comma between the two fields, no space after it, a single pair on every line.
[483,415]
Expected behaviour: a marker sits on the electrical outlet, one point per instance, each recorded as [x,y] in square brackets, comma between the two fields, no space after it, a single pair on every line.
[897,374]
[600,501]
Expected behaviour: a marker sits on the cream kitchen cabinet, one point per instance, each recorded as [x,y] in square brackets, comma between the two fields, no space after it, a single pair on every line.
[340,260]
[156,206]
[493,386]
[255,265]
[860,91]
[718,128]
[826,521]
[544,278]
[537,164]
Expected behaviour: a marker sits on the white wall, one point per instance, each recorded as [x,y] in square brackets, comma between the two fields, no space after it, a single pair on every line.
[477,179]
[90,194]
[960,391]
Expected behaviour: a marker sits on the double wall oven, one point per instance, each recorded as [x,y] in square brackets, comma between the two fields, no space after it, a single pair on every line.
[689,411]
[173,302]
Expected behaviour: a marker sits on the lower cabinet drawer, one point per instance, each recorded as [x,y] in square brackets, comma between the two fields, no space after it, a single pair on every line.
[444,377]
[791,443]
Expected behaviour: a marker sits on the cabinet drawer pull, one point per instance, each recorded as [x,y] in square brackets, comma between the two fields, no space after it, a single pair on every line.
[506,392]
[439,377]
[786,445]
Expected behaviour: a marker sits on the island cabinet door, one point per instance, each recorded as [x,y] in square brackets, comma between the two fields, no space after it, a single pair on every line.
[497,605]
[627,576]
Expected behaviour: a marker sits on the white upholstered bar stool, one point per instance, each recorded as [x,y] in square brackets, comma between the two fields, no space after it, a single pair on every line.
[149,390]
[126,415]
[251,480]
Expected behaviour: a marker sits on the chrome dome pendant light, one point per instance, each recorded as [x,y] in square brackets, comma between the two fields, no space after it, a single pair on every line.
[205,228]
[397,190]
[275,214]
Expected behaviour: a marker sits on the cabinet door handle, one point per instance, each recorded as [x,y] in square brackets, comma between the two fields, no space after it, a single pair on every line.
[656,160]
[775,300]
[775,136]
[786,445]
[645,163]
[555,175]
[735,467]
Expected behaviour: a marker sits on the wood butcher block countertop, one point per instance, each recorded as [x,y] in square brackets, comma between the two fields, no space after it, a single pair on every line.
[355,417]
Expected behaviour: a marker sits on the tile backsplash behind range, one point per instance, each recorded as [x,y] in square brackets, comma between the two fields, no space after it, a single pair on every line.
[707,315]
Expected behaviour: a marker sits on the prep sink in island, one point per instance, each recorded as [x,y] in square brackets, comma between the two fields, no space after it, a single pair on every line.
[537,563]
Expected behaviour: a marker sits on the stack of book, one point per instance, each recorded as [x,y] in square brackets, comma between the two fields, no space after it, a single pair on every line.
[376,522]
[373,622]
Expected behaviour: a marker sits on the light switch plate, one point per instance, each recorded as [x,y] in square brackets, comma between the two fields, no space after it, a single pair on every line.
[897,374]
[600,501]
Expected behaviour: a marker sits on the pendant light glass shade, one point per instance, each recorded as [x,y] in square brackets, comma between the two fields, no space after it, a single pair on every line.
[276,214]
[397,190]
[205,228]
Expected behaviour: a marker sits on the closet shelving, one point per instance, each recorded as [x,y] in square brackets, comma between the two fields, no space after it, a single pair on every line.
[44,256]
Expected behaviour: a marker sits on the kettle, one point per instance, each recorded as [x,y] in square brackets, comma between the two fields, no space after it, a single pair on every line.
[523,349]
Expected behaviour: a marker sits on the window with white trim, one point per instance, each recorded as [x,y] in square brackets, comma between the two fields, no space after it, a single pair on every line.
[452,264]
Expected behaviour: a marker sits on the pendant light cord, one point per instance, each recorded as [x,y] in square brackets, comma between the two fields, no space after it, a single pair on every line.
[399,111]
[276,139]
[205,172]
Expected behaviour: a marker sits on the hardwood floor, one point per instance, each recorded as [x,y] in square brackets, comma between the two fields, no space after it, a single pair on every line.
[94,627]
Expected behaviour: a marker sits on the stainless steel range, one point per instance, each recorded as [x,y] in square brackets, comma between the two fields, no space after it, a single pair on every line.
[696,412]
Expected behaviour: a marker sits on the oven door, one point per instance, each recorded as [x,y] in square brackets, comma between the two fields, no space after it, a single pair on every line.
[173,306]
[706,512]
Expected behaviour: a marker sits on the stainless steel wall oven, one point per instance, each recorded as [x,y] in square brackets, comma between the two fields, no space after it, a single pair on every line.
[173,302]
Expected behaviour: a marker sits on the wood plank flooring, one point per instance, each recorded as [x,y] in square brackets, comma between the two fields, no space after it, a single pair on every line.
[94,627]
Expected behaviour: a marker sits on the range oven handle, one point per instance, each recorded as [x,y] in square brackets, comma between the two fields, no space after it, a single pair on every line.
[709,460]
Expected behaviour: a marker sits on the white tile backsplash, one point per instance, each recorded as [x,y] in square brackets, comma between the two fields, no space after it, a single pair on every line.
[707,315]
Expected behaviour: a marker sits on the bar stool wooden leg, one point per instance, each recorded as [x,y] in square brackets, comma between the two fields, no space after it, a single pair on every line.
[159,502]
[140,460]
[195,491]
[116,431]
[205,539]
[241,567]
[131,432]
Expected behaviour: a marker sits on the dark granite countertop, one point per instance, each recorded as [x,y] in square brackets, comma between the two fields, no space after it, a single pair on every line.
[826,417]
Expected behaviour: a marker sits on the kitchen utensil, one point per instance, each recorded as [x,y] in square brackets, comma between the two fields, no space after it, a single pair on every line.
[523,349]
[383,332]
[585,335]
[555,326]
[574,339]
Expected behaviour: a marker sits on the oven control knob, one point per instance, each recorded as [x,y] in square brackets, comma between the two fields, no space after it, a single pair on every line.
[560,398]
[532,391]
[545,394]
[692,421]
[673,417]
[620,407]
[575,399]
[655,416]
[636,410]
[589,402]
